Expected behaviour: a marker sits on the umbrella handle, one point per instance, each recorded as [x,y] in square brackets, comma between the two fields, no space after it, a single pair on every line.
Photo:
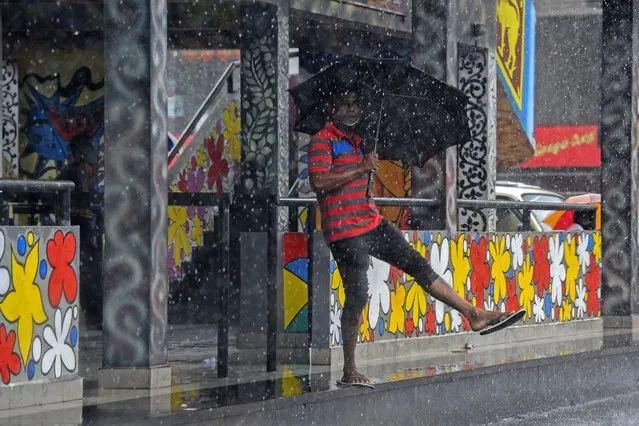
[370,185]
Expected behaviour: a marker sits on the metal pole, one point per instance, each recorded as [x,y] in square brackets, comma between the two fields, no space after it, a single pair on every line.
[271,290]
[311,260]
[526,220]
[64,208]
[223,231]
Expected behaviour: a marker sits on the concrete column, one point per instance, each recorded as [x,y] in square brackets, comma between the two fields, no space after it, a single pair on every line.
[265,148]
[620,299]
[135,273]
[430,45]
[477,158]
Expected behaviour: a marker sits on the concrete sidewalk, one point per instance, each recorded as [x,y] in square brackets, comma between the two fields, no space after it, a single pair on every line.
[449,378]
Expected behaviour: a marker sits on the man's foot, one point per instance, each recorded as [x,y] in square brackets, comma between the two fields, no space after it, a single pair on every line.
[479,319]
[355,379]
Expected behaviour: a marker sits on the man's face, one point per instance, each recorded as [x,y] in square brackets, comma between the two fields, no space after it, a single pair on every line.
[346,110]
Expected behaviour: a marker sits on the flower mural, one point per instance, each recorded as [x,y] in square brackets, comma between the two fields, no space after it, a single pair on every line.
[572,267]
[43,281]
[9,360]
[231,132]
[480,276]
[415,302]
[60,253]
[337,284]
[378,292]
[24,304]
[397,321]
[177,233]
[439,257]
[460,263]
[501,265]
[526,296]
[219,167]
[557,268]
[541,268]
[537,284]
[60,352]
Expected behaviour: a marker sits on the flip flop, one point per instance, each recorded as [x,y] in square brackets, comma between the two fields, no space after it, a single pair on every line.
[355,385]
[344,384]
[496,324]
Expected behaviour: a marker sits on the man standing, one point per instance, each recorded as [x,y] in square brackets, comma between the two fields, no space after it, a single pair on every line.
[354,229]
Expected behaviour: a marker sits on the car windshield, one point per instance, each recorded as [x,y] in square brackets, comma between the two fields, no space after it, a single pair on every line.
[540,215]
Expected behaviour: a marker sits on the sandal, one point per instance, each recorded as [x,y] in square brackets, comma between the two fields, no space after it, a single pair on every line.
[355,380]
[501,322]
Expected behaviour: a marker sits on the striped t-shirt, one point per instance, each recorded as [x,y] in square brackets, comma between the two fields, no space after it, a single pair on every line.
[346,211]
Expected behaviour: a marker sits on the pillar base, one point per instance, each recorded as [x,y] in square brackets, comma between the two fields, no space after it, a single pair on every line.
[624,322]
[30,394]
[134,378]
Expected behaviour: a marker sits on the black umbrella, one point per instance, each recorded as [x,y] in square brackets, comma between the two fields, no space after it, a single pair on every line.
[407,114]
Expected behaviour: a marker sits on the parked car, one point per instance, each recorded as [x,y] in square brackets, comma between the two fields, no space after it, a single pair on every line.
[511,220]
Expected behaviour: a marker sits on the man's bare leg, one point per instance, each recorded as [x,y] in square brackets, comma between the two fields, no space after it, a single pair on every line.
[349,337]
[477,317]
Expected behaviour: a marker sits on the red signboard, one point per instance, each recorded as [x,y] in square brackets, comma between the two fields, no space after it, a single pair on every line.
[565,146]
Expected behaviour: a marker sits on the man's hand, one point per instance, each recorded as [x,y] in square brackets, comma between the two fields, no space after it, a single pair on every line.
[370,163]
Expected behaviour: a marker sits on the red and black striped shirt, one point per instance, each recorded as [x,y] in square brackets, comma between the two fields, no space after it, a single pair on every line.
[346,211]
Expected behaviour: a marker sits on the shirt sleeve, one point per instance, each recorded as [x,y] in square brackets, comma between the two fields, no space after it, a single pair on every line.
[320,156]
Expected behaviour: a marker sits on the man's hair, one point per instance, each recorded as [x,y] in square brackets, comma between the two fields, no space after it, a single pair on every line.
[339,93]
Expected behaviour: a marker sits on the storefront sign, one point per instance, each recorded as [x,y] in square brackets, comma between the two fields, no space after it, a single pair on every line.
[566,146]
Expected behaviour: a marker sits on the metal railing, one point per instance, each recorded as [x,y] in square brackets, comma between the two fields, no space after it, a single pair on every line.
[274,252]
[19,194]
[201,110]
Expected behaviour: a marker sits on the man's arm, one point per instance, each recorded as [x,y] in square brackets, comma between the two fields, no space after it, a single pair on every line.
[323,182]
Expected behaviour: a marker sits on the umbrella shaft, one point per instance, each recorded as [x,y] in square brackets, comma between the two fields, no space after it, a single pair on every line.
[379,122]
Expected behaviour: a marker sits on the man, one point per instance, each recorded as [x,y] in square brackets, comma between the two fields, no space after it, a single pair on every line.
[354,229]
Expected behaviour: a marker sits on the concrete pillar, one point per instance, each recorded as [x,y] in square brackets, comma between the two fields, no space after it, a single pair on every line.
[477,158]
[135,273]
[430,50]
[620,298]
[265,148]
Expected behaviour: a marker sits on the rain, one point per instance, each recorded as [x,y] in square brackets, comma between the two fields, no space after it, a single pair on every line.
[319,212]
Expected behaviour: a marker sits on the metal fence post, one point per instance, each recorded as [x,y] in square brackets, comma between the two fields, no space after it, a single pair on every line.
[63,215]
[223,230]
[310,220]
[271,289]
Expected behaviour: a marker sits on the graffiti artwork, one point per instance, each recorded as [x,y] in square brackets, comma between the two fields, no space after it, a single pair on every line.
[39,303]
[63,126]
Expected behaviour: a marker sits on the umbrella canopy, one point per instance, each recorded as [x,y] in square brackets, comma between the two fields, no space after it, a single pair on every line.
[407,114]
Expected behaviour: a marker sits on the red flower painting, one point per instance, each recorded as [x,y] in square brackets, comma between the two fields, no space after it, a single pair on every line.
[430,320]
[593,280]
[219,167]
[9,360]
[480,277]
[541,268]
[512,302]
[60,253]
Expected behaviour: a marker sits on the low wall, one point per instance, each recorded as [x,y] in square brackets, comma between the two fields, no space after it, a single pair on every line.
[555,277]
[39,312]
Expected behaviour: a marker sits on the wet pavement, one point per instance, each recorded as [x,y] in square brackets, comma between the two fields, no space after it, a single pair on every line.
[195,386]
[621,410]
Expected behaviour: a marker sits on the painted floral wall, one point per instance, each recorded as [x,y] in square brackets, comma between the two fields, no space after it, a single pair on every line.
[39,303]
[554,277]
[213,167]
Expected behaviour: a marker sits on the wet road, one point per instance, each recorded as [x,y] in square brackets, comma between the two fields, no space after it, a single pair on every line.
[614,410]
